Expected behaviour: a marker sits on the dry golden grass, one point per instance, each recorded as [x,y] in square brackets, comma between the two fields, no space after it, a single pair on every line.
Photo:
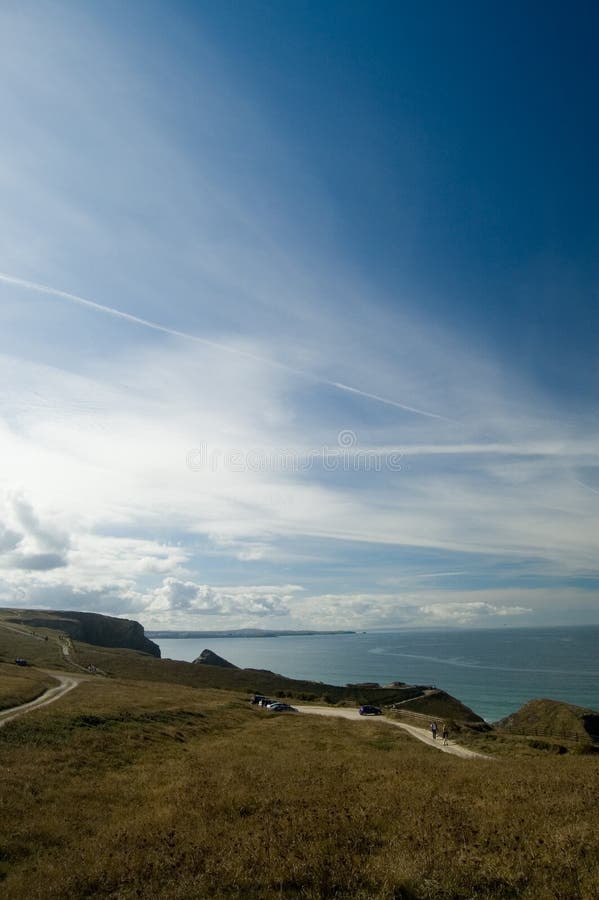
[439,705]
[163,791]
[29,644]
[501,743]
[553,718]
[21,685]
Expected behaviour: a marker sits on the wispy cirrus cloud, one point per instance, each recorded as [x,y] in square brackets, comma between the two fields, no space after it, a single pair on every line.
[224,348]
[125,450]
[229,312]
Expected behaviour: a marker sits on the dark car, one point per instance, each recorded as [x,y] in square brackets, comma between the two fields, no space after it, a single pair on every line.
[370,711]
[281,707]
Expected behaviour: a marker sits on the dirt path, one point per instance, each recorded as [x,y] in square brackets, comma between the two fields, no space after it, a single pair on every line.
[66,684]
[29,634]
[422,734]
[62,641]
[66,645]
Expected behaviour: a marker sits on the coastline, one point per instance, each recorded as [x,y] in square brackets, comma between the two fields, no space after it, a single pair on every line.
[494,671]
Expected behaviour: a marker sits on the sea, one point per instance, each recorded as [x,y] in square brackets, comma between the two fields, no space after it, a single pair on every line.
[493,671]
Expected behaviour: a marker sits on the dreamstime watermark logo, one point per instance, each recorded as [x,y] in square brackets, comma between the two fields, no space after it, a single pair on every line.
[346,456]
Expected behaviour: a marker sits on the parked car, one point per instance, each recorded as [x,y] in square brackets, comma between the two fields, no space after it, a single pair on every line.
[281,707]
[370,711]
[19,661]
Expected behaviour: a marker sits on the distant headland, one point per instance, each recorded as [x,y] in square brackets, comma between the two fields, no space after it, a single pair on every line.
[239,633]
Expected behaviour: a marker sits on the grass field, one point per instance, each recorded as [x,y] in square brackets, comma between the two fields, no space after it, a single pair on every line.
[127,789]
[29,644]
[21,685]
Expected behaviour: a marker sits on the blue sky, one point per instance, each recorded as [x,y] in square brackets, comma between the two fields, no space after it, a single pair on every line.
[298,312]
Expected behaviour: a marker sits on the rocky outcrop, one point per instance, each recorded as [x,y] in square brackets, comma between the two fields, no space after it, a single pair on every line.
[93,628]
[208,658]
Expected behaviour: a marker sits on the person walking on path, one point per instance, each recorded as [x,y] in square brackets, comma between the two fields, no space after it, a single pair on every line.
[434,730]
[445,734]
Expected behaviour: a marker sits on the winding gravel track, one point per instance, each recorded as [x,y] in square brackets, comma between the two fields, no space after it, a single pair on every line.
[422,734]
[66,684]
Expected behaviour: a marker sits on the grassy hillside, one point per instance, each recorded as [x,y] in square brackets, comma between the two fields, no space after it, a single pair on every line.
[439,704]
[44,646]
[92,628]
[158,779]
[126,789]
[31,644]
[553,718]
[21,685]
[128,664]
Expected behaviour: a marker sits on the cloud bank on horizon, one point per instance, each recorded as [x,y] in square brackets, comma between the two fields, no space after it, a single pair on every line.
[339,368]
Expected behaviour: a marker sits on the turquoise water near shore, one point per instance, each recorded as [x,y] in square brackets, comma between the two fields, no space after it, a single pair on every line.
[494,671]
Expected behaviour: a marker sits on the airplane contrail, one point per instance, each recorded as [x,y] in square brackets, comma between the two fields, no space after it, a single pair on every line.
[587,486]
[413,409]
[225,348]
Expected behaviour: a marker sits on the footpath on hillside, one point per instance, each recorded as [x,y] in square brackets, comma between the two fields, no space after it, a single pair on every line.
[65,684]
[421,734]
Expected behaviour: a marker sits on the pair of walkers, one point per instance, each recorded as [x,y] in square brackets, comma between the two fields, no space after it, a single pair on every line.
[444,732]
